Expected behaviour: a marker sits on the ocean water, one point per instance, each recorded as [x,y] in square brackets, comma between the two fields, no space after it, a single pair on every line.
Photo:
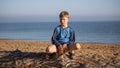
[100,32]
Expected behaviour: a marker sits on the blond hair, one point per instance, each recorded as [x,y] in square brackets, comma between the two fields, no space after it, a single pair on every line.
[64,14]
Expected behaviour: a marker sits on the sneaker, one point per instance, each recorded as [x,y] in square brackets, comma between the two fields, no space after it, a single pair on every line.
[71,55]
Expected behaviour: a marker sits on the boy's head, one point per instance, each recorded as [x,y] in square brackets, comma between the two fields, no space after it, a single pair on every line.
[64,18]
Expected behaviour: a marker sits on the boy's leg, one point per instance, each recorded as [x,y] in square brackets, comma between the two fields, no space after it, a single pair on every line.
[62,50]
[65,48]
[51,49]
[73,47]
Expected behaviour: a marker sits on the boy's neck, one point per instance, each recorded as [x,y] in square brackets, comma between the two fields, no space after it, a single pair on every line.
[64,26]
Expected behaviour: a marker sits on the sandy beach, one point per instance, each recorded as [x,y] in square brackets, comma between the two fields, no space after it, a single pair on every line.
[31,54]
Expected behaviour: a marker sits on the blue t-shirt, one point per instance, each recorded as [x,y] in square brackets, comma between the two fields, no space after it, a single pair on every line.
[63,35]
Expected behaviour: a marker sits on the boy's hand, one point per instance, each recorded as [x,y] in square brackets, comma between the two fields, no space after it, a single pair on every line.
[64,46]
[60,47]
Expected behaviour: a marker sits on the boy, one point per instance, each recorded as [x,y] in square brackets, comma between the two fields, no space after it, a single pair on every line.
[63,37]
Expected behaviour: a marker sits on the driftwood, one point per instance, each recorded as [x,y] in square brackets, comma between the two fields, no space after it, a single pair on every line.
[18,59]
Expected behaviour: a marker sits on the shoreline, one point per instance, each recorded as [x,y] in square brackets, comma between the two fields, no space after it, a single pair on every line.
[50,41]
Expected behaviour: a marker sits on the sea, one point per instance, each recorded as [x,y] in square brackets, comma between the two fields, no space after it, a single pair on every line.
[85,31]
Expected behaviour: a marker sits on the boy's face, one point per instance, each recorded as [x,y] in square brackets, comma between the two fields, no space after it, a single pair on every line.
[64,20]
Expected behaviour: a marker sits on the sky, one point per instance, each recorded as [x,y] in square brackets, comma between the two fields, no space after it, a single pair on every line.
[48,10]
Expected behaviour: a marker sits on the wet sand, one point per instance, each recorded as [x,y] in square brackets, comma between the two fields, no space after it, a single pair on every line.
[20,53]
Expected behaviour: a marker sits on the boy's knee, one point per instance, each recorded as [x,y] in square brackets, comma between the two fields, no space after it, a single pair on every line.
[51,49]
[78,46]
[47,50]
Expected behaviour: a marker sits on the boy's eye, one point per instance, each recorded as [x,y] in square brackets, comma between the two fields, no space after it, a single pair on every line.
[62,19]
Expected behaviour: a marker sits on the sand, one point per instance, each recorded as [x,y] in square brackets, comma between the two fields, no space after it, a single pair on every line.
[31,54]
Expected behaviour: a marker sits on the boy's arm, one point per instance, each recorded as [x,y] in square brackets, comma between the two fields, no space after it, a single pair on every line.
[72,37]
[54,40]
